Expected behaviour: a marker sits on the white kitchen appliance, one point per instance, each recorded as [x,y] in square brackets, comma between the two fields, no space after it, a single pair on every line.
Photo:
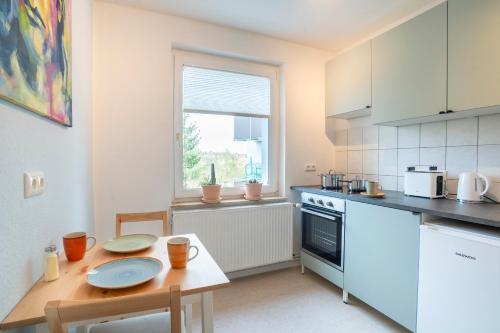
[472,186]
[425,181]
[459,278]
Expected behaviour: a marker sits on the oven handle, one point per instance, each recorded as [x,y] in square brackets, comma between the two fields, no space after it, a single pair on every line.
[330,217]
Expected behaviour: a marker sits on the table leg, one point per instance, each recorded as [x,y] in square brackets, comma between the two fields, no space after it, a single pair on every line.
[188,317]
[207,312]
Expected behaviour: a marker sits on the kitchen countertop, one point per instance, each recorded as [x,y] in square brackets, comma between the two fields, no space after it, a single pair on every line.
[480,213]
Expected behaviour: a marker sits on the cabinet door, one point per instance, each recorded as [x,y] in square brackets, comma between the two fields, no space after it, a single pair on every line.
[409,68]
[349,83]
[474,54]
[381,259]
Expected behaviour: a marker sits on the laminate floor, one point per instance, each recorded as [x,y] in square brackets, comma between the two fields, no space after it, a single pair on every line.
[287,301]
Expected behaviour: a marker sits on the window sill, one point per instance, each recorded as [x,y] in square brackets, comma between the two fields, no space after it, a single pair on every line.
[226,203]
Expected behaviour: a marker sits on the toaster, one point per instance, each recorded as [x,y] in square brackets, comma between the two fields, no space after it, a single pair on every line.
[425,181]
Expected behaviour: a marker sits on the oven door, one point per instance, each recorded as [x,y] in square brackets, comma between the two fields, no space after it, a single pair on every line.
[323,234]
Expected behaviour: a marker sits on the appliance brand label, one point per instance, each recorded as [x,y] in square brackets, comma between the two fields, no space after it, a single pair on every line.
[465,256]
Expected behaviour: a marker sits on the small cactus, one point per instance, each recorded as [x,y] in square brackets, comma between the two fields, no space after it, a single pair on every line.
[212,180]
[253,181]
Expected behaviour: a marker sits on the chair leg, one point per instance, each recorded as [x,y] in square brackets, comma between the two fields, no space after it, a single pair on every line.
[188,317]
[207,312]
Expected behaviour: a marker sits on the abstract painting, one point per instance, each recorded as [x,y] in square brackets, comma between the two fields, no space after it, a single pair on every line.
[35,56]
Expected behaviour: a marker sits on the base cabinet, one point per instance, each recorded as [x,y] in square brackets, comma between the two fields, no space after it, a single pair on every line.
[381,260]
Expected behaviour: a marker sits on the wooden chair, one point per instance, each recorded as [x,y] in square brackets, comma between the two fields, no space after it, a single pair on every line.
[60,314]
[141,217]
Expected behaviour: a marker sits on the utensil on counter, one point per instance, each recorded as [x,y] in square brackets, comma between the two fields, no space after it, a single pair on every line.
[331,180]
[373,188]
[378,195]
[472,186]
[130,243]
[357,185]
[124,273]
[76,244]
[178,251]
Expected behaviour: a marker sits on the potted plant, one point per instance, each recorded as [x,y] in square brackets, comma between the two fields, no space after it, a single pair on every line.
[253,190]
[210,188]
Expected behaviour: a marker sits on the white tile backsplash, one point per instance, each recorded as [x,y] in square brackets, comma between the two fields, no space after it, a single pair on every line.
[401,184]
[494,191]
[462,132]
[489,161]
[370,137]
[460,159]
[407,157]
[388,162]
[451,186]
[341,161]
[383,152]
[355,161]
[388,183]
[341,140]
[372,178]
[355,138]
[433,156]
[388,137]
[433,134]
[409,136]
[370,162]
[489,130]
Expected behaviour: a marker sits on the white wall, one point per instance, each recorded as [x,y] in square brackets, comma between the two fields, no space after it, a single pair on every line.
[133,156]
[29,142]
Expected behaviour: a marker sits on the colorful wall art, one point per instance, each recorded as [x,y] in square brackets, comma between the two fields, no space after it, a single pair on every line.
[35,56]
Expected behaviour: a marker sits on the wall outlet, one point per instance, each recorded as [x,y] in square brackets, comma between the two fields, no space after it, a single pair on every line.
[310,167]
[34,183]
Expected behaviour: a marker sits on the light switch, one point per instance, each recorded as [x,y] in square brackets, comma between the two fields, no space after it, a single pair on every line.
[34,183]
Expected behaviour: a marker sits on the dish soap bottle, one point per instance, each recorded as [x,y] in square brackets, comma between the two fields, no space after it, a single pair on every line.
[51,268]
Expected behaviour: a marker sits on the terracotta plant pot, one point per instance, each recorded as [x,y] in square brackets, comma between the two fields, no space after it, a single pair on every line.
[211,193]
[253,191]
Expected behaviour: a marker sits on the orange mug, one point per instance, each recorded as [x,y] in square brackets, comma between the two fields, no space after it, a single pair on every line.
[178,251]
[76,244]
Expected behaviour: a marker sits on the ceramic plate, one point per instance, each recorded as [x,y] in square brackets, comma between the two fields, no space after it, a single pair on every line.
[124,273]
[378,195]
[130,243]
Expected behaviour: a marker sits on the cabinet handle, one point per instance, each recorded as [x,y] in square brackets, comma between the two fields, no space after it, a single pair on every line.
[449,111]
[442,112]
[368,106]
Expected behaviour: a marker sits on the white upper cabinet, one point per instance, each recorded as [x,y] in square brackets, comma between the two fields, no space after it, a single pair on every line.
[474,54]
[349,83]
[409,68]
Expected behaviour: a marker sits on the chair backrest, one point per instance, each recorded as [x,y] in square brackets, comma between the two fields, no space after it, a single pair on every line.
[141,217]
[61,313]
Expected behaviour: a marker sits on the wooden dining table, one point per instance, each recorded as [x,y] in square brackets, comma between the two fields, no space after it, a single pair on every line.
[197,282]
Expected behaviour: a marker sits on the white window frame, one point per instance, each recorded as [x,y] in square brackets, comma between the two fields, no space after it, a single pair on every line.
[185,58]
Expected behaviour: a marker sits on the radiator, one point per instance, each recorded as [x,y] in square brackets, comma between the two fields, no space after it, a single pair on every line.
[241,237]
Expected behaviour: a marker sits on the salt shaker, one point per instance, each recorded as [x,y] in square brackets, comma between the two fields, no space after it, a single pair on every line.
[51,266]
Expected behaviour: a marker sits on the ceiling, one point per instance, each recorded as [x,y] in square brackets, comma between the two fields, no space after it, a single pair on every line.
[327,24]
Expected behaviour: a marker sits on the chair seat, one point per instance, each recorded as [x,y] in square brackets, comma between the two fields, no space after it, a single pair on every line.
[155,323]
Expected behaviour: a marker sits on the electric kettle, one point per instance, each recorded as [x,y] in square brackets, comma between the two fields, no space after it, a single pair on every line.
[472,186]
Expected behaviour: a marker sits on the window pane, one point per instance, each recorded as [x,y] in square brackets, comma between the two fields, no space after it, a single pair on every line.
[222,91]
[238,146]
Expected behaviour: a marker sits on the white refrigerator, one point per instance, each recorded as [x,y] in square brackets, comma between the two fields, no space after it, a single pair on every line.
[459,278]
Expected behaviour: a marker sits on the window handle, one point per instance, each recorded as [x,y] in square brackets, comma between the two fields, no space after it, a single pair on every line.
[178,139]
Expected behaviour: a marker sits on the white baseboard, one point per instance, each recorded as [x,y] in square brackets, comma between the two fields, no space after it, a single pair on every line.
[263,269]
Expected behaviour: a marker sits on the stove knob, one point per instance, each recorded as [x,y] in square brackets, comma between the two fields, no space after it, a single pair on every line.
[320,202]
[329,204]
[311,200]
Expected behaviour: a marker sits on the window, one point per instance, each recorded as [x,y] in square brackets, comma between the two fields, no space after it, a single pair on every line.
[225,113]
